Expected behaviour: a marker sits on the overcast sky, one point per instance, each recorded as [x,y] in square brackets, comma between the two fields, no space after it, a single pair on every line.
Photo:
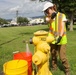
[26,8]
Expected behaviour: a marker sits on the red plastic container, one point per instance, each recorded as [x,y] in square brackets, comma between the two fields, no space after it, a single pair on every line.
[25,56]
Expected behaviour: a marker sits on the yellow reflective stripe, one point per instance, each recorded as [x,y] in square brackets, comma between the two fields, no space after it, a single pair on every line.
[55,27]
[60,16]
[53,31]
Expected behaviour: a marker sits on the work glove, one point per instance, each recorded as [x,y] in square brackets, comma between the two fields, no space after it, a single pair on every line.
[58,39]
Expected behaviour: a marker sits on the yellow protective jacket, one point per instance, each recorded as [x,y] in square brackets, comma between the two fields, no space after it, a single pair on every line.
[55,28]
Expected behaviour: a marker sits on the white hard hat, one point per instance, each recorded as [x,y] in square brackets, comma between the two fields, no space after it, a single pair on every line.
[47,5]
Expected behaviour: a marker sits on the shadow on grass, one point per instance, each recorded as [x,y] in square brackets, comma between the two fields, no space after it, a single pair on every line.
[21,34]
[30,33]
[26,33]
[59,65]
[74,28]
[8,41]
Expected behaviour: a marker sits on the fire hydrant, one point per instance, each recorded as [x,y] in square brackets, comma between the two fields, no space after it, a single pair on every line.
[41,52]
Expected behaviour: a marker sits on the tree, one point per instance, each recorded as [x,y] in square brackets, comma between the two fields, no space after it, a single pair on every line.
[22,20]
[25,20]
[68,7]
[3,21]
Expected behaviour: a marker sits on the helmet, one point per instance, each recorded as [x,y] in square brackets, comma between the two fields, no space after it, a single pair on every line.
[47,5]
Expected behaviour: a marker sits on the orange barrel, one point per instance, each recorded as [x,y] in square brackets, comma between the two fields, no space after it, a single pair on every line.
[25,56]
[16,67]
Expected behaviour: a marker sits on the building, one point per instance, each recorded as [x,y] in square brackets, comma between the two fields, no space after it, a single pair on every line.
[36,21]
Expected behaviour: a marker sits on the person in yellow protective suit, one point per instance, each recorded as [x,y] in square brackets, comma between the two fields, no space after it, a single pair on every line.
[57,29]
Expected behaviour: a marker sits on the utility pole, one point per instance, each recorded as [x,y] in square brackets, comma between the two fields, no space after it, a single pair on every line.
[16,15]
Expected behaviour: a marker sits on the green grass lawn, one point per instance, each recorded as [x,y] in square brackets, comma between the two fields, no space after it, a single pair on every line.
[11,39]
